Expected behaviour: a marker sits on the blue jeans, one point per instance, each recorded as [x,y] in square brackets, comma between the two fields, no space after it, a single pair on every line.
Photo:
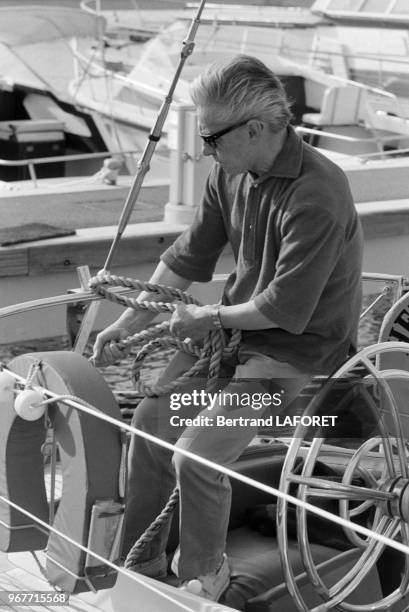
[205,494]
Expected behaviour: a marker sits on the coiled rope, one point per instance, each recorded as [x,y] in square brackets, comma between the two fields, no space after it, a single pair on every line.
[216,346]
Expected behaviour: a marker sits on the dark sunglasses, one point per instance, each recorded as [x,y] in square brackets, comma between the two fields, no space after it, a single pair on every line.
[212,138]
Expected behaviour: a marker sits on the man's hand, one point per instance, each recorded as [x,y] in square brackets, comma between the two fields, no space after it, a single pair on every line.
[106,349]
[190,321]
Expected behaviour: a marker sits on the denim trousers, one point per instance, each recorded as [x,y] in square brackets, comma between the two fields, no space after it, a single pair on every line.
[205,494]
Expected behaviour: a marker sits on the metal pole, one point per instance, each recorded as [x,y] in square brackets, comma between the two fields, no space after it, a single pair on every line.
[154,137]
[143,167]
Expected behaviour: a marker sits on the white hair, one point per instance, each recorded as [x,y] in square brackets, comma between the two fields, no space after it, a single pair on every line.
[242,88]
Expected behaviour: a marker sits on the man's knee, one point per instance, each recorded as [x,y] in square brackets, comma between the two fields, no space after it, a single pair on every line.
[185,467]
[145,416]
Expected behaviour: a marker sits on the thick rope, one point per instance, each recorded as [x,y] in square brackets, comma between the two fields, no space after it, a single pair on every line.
[32,374]
[209,355]
[154,528]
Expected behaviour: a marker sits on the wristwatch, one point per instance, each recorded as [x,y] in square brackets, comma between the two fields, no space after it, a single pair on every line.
[215,317]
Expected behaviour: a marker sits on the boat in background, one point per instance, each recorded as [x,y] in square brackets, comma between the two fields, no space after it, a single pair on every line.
[133,96]
[293,42]
[105,93]
[373,41]
[33,84]
[34,92]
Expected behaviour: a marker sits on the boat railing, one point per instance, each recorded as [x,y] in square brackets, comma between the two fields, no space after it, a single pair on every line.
[322,58]
[32,161]
[379,139]
[364,157]
[392,288]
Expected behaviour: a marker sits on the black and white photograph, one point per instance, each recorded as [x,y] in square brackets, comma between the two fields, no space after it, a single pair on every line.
[204,305]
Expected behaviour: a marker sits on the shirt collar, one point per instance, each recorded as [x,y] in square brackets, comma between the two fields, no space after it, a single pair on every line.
[288,162]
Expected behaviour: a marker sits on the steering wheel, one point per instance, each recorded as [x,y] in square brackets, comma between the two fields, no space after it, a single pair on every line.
[368,453]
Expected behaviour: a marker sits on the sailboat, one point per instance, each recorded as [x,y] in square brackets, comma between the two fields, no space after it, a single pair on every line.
[319,516]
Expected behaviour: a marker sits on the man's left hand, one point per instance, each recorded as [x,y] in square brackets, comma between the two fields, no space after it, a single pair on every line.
[190,321]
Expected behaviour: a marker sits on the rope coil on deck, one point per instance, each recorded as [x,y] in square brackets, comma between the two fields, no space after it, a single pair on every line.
[216,346]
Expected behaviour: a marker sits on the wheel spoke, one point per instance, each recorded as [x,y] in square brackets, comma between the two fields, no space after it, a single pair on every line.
[366,505]
[370,480]
[402,457]
[385,434]
[339,490]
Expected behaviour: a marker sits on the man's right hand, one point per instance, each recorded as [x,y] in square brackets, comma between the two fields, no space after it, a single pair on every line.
[106,348]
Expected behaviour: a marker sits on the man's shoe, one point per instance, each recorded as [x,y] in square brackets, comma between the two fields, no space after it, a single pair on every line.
[153,568]
[210,586]
[175,561]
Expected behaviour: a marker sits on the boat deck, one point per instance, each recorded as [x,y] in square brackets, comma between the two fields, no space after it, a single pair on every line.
[15,580]
[79,202]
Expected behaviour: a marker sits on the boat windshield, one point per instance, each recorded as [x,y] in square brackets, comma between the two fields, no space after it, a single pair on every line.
[216,40]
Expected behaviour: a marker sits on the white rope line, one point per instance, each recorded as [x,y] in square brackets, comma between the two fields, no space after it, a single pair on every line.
[138,578]
[224,470]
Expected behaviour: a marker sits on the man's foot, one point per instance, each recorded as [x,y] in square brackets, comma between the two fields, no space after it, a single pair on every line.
[210,586]
[153,568]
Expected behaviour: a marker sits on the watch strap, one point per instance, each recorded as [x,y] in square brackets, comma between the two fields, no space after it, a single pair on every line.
[215,317]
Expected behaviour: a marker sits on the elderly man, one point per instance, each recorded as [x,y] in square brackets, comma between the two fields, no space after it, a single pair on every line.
[295,293]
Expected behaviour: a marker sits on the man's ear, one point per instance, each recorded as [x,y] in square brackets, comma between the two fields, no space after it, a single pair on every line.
[255,128]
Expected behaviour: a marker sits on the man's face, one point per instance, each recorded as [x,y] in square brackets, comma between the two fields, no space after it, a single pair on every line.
[230,150]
